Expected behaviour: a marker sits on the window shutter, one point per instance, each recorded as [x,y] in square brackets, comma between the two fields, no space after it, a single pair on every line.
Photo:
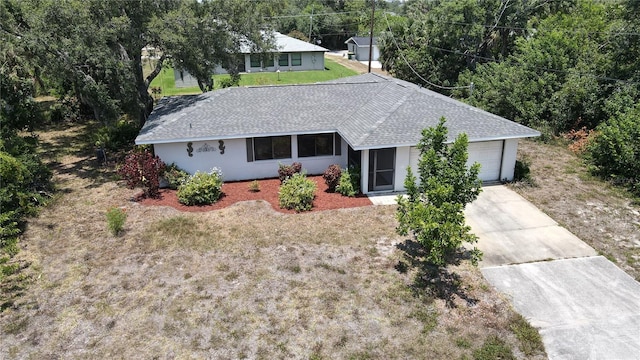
[338,144]
[249,149]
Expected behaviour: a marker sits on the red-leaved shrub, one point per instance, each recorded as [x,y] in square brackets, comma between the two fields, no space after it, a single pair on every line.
[287,171]
[331,177]
[580,139]
[141,168]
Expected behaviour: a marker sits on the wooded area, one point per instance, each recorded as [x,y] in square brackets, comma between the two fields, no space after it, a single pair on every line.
[563,67]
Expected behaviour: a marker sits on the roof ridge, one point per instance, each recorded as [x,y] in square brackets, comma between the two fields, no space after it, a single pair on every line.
[387,114]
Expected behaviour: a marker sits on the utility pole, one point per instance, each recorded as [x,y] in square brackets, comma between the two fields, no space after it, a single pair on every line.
[310,24]
[373,14]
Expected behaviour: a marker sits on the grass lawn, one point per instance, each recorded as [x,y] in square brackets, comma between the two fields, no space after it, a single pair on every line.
[240,282]
[165,80]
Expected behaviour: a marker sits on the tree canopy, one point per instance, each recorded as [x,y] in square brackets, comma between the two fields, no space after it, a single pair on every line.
[92,49]
[432,211]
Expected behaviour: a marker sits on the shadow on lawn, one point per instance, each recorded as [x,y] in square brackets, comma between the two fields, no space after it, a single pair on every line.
[432,281]
[77,140]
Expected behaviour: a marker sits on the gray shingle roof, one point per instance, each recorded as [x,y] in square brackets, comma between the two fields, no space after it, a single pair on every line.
[286,44]
[361,40]
[369,111]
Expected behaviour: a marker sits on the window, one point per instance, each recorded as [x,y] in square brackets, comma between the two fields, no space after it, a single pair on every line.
[242,66]
[296,59]
[267,148]
[316,145]
[268,62]
[283,60]
[255,61]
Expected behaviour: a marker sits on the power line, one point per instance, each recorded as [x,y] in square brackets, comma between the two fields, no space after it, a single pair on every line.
[414,71]
[577,31]
[308,15]
[569,71]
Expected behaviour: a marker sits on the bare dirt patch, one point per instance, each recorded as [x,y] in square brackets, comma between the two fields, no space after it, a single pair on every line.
[603,216]
[244,281]
[238,191]
[355,65]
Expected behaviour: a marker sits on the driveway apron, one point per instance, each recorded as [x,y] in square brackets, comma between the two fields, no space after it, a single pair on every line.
[584,306]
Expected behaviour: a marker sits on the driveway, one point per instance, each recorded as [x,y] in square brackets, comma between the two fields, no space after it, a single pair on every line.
[584,306]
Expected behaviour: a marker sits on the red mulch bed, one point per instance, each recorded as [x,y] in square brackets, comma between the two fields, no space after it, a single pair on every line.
[234,192]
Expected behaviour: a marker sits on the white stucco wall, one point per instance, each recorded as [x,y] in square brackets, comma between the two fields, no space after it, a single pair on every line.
[362,53]
[402,162]
[310,61]
[364,171]
[509,159]
[233,162]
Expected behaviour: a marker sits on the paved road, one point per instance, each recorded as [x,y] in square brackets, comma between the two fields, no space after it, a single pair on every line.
[584,306]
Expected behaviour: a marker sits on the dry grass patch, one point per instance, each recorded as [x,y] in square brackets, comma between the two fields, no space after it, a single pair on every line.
[241,282]
[605,217]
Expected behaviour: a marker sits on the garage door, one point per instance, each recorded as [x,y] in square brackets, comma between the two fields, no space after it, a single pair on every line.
[487,153]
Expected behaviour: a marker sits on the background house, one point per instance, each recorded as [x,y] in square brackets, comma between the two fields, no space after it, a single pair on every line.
[291,55]
[369,120]
[359,46]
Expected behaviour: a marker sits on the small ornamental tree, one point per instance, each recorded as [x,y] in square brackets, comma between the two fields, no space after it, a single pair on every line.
[432,211]
[141,168]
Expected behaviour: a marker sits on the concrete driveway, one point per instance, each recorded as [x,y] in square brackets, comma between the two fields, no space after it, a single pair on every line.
[584,306]
[513,231]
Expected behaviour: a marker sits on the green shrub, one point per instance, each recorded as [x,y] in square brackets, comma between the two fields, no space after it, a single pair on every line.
[119,136]
[254,186]
[201,188]
[115,220]
[522,172]
[232,80]
[175,176]
[615,152]
[297,193]
[331,177]
[349,184]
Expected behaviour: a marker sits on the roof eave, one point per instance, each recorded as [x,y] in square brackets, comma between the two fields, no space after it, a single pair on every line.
[229,137]
[474,140]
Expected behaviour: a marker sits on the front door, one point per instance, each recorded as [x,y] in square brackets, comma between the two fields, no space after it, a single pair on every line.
[381,169]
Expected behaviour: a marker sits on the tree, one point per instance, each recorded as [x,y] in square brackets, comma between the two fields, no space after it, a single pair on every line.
[24,179]
[93,49]
[432,211]
[559,77]
[441,38]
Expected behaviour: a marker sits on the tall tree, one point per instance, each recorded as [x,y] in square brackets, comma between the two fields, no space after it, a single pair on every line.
[93,48]
[432,211]
[441,38]
[559,77]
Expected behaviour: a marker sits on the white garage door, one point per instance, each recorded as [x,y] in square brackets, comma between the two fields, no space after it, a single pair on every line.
[488,154]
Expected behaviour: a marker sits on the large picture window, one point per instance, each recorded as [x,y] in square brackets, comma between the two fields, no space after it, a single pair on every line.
[283,60]
[315,145]
[255,61]
[296,59]
[268,62]
[267,148]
